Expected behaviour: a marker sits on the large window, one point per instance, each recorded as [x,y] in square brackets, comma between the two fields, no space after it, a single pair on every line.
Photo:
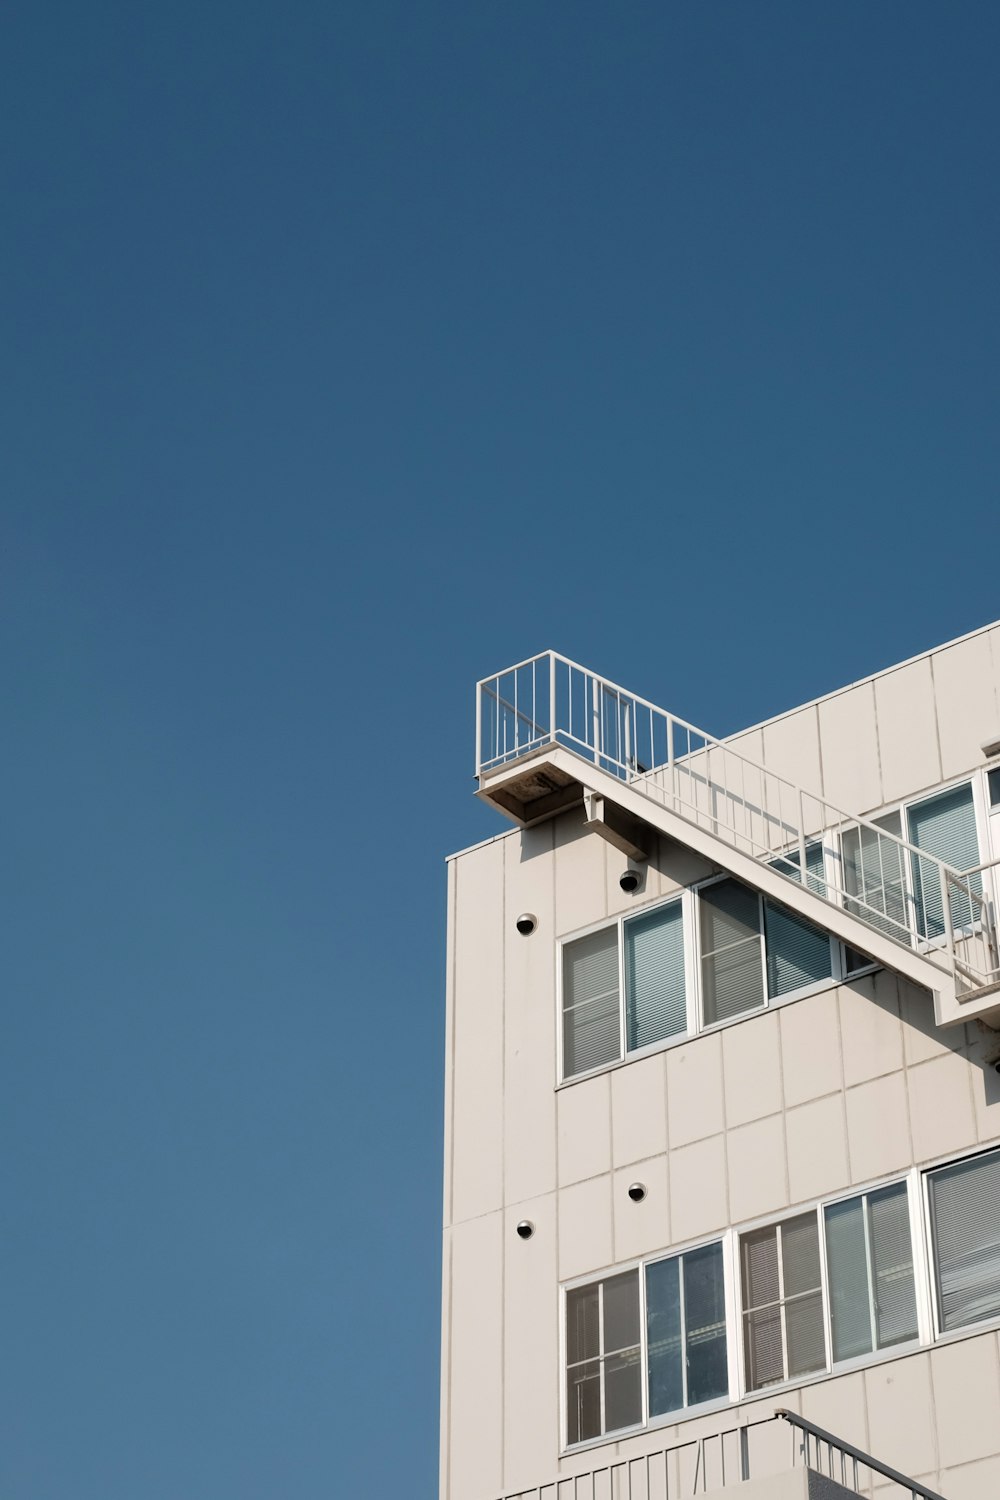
[752,948]
[965,1223]
[616,1368]
[624,988]
[789,1328]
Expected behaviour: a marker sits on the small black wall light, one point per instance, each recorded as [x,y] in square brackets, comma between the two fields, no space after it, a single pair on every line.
[637,1191]
[525,1229]
[526,923]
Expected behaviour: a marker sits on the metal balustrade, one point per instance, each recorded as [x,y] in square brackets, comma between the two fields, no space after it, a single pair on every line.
[722,1460]
[890,885]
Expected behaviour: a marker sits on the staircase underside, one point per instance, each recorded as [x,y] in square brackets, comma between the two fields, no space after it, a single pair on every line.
[551,779]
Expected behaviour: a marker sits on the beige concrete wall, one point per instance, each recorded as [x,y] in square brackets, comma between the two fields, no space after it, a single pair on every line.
[784,1107]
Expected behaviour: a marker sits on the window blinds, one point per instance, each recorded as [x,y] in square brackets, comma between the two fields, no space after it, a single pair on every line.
[591,1025]
[944,826]
[892,1264]
[654,976]
[732,977]
[797,952]
[965,1208]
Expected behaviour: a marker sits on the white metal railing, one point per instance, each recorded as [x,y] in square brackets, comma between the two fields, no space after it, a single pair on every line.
[889,884]
[719,1460]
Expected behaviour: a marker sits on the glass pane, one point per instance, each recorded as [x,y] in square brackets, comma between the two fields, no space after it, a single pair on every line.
[944,826]
[583,1402]
[847,1265]
[965,1204]
[764,1361]
[621,1311]
[732,981]
[804,1335]
[798,953]
[622,1390]
[663,1331]
[800,1255]
[760,1267]
[730,912]
[892,1264]
[705,1320]
[591,1024]
[583,1331]
[654,968]
[591,1036]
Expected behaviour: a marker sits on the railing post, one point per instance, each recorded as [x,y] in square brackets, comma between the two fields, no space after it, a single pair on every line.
[802,841]
[552,697]
[949,930]
[479,727]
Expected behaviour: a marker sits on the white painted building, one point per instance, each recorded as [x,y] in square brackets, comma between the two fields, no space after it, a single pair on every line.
[720,1142]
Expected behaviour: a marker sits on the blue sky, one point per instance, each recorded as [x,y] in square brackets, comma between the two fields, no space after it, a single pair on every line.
[352,352]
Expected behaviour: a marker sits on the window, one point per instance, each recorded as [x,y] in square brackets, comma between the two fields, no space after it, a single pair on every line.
[869,1261]
[965,1225]
[945,827]
[869,1286]
[616,1369]
[650,975]
[751,946]
[603,1354]
[782,1302]
[686,1330]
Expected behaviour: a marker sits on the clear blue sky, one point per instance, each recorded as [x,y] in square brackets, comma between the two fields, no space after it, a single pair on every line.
[351,352]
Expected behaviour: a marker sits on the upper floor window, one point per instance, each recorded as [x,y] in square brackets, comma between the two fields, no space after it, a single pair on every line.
[900,893]
[752,948]
[620,996]
[627,986]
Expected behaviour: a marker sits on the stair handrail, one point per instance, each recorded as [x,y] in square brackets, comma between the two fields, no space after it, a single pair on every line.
[917,1490]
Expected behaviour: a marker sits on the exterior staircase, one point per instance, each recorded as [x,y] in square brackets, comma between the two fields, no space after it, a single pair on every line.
[551,734]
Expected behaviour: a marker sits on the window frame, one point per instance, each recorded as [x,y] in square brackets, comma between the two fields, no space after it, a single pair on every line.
[681,898]
[678,1414]
[837,974]
[687,899]
[923,1276]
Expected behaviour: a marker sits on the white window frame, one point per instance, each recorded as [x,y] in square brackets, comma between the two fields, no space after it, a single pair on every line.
[680,898]
[837,962]
[681,1413]
[924,1292]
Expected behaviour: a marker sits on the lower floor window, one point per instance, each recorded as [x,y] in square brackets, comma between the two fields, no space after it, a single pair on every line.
[603,1357]
[681,1350]
[782,1301]
[965,1220]
[686,1330]
[807,1294]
